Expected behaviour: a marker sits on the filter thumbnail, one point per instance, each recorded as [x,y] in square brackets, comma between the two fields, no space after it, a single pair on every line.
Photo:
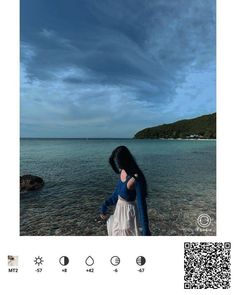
[12,260]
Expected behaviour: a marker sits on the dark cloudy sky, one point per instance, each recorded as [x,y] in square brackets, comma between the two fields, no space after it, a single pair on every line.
[110,68]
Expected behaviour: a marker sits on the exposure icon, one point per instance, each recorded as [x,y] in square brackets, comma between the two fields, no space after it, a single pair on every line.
[38,260]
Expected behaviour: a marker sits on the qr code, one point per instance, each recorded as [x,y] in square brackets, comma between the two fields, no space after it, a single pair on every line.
[207,265]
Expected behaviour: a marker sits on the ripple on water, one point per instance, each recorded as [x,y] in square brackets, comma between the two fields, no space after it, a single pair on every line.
[180,175]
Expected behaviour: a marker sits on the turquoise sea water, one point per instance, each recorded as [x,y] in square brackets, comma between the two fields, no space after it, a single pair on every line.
[181,177]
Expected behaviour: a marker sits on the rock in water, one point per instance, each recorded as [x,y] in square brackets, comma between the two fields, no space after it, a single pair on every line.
[30,183]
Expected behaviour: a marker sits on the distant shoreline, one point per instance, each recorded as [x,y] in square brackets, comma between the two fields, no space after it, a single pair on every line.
[203,127]
[211,139]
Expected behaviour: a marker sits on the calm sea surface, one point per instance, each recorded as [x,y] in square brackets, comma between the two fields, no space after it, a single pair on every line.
[181,177]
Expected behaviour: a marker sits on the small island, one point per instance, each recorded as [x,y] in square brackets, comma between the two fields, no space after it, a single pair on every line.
[203,127]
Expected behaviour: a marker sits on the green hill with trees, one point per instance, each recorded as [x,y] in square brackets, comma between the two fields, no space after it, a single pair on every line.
[200,127]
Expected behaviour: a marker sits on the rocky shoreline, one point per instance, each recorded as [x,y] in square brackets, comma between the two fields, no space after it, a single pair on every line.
[89,223]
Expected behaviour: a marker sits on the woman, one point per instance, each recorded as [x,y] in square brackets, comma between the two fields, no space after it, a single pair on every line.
[129,197]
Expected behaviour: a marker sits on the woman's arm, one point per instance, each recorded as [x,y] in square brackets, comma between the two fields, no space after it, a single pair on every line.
[112,200]
[142,208]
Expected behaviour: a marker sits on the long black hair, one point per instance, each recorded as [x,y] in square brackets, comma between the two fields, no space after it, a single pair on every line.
[121,158]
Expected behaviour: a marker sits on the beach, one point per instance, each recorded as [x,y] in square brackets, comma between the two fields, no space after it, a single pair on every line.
[180,174]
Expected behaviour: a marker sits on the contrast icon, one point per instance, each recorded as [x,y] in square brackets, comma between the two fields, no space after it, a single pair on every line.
[89,261]
[64,260]
[141,260]
[38,260]
[115,260]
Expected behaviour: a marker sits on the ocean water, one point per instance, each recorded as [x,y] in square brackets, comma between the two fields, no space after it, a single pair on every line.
[181,178]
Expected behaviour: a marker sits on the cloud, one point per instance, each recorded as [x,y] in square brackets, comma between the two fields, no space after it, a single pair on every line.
[97,63]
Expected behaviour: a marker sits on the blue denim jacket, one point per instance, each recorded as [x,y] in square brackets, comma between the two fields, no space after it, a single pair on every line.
[130,195]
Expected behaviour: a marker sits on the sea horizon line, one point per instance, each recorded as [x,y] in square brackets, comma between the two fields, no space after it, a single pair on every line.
[76,138]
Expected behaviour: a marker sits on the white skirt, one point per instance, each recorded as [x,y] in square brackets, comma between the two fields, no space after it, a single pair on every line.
[124,221]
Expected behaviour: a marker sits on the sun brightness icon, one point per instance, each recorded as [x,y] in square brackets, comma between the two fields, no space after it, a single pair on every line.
[38,260]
